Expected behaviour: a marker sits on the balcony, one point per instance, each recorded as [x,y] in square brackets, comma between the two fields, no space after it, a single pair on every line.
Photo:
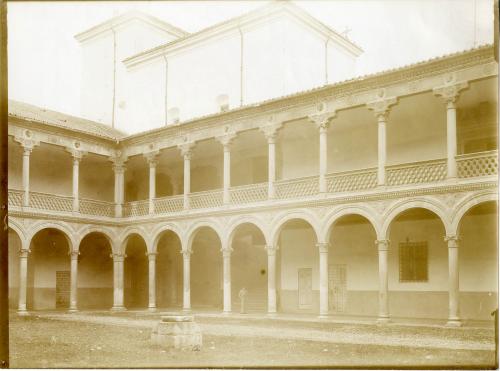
[474,165]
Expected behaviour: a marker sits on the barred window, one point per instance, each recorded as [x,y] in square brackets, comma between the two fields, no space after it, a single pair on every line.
[413,262]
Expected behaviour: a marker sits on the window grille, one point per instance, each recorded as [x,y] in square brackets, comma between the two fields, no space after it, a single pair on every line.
[413,262]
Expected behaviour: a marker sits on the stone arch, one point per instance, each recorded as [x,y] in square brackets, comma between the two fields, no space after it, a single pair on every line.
[96,229]
[233,226]
[284,217]
[187,241]
[467,204]
[125,235]
[65,229]
[331,218]
[159,231]
[18,229]
[421,203]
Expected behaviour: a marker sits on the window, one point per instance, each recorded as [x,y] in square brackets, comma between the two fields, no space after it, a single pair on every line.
[413,262]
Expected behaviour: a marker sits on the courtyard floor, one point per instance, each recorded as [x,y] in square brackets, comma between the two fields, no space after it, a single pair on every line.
[102,339]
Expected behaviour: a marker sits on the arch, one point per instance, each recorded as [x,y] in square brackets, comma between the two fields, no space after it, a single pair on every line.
[95,229]
[467,204]
[235,224]
[158,232]
[284,217]
[187,241]
[421,203]
[16,228]
[125,235]
[67,232]
[332,218]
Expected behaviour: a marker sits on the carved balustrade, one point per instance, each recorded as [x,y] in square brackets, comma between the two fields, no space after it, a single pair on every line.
[169,204]
[416,172]
[97,208]
[249,193]
[46,201]
[15,197]
[136,208]
[206,199]
[296,188]
[477,164]
[352,180]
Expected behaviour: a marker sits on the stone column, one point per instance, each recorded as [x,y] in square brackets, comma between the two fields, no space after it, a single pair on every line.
[323,279]
[322,121]
[450,93]
[119,169]
[226,141]
[453,279]
[186,298]
[118,260]
[26,175]
[151,158]
[270,132]
[226,255]
[271,279]
[186,151]
[73,294]
[383,305]
[381,109]
[152,281]
[23,279]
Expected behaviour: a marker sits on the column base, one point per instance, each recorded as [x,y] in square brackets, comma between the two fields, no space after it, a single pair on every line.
[454,322]
[118,308]
[271,314]
[186,310]
[72,310]
[226,312]
[22,312]
[323,316]
[152,309]
[382,320]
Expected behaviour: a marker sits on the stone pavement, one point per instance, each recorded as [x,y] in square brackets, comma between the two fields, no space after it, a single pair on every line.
[351,334]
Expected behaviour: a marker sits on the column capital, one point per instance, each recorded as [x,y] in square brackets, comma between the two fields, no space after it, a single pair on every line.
[23,253]
[186,149]
[453,241]
[151,157]
[74,254]
[226,139]
[323,247]
[450,91]
[322,120]
[151,255]
[383,245]
[186,253]
[118,257]
[118,161]
[226,252]
[271,249]
[382,107]
[28,143]
[270,130]
[76,154]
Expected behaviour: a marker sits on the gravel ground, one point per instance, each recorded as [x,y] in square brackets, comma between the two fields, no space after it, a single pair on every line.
[460,339]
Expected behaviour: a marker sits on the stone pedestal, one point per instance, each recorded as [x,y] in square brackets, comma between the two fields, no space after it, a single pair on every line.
[177,331]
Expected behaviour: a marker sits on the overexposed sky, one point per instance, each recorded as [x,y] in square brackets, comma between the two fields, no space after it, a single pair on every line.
[45,59]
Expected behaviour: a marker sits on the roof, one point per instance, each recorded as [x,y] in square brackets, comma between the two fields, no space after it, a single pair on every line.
[127,17]
[274,7]
[27,111]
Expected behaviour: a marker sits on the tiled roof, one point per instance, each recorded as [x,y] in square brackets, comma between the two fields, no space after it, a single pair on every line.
[30,112]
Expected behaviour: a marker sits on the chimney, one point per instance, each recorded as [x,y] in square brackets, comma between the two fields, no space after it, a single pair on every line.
[223,102]
[173,116]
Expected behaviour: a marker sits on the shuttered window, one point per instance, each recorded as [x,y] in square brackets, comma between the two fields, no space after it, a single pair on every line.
[413,262]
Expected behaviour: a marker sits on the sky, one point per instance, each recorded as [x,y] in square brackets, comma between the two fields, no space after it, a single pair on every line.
[45,59]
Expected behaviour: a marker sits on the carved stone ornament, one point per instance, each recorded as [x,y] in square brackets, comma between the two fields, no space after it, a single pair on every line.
[452,240]
[322,120]
[382,107]
[227,138]
[226,251]
[383,245]
[451,92]
[76,154]
[271,130]
[151,157]
[186,148]
[271,250]
[323,247]
[27,142]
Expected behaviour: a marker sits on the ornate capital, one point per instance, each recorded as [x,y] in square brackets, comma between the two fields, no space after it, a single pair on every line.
[323,247]
[383,245]
[118,160]
[322,120]
[74,254]
[451,91]
[226,139]
[381,107]
[187,253]
[151,255]
[27,143]
[23,253]
[186,149]
[151,157]
[271,250]
[452,240]
[118,257]
[226,252]
[271,130]
[76,154]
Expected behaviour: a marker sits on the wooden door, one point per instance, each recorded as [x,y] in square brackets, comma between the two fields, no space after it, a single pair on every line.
[337,287]
[305,288]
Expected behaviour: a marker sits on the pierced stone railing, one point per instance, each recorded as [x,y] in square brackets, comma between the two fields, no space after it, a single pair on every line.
[15,197]
[45,201]
[169,204]
[98,208]
[249,193]
[477,164]
[205,199]
[352,180]
[297,187]
[136,208]
[416,172]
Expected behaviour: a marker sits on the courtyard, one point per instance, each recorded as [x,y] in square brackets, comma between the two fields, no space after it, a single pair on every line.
[103,339]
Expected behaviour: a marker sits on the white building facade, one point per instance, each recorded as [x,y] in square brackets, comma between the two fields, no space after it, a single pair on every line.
[371,197]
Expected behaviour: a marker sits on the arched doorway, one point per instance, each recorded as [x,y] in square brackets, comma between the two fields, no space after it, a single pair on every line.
[298,268]
[169,271]
[478,261]
[49,270]
[136,285]
[206,270]
[352,267]
[95,272]
[417,265]
[249,267]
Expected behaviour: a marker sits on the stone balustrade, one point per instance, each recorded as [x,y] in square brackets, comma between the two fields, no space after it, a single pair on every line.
[477,164]
[417,173]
